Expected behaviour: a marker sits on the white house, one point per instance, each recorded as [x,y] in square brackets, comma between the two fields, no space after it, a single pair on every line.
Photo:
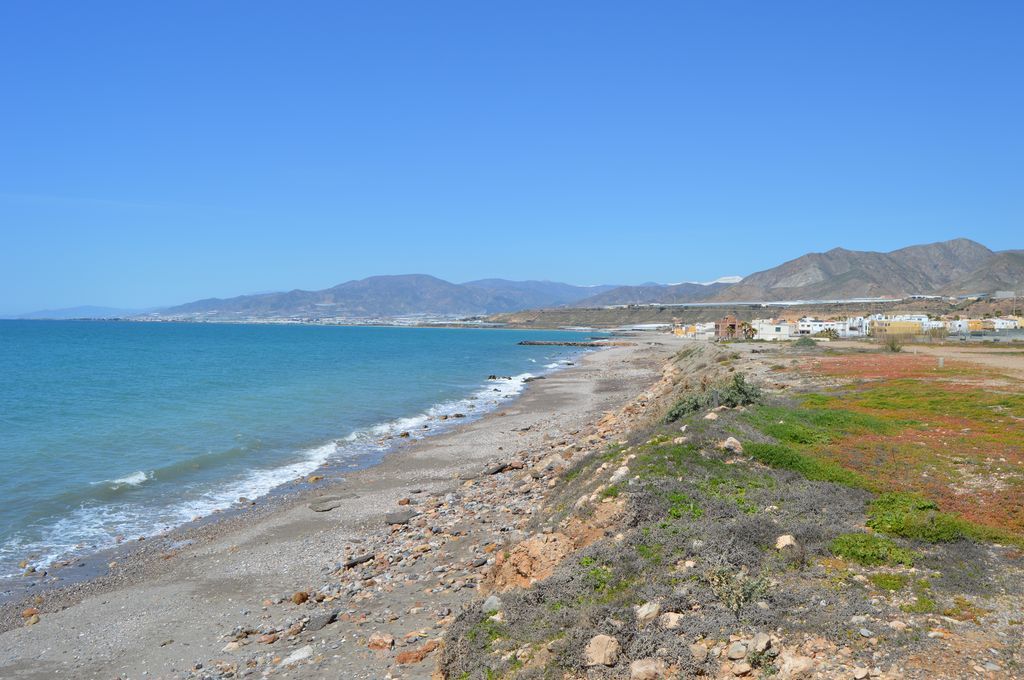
[773,329]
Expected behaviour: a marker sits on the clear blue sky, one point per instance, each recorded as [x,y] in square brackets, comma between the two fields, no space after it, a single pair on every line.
[154,153]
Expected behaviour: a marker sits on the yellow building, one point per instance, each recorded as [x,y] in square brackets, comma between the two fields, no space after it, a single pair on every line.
[886,327]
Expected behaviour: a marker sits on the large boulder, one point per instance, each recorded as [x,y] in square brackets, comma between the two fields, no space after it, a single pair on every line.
[602,650]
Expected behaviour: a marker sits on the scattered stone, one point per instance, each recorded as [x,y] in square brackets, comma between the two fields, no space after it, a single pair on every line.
[329,503]
[647,669]
[647,612]
[404,501]
[864,632]
[300,654]
[859,673]
[381,642]
[619,475]
[737,650]
[731,444]
[491,605]
[417,655]
[741,668]
[312,479]
[761,642]
[670,620]
[300,596]
[785,541]
[401,517]
[320,620]
[711,416]
[795,665]
[31,611]
[699,652]
[32,620]
[602,650]
[356,561]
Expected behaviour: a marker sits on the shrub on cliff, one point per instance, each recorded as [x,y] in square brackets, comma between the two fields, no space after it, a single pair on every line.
[738,392]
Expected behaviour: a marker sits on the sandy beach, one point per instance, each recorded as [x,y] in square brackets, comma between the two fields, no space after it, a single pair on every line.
[205,601]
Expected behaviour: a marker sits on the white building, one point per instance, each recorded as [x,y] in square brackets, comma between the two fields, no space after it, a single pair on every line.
[851,327]
[705,331]
[773,329]
[1004,323]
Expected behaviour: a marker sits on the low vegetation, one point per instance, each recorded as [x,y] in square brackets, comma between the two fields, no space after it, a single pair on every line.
[737,392]
[700,524]
[870,550]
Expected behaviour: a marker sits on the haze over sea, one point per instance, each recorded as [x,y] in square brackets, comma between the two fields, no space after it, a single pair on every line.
[112,429]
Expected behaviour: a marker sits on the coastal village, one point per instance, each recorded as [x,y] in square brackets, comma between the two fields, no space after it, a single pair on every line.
[875,325]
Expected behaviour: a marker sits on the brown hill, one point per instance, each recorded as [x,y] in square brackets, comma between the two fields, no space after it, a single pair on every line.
[842,274]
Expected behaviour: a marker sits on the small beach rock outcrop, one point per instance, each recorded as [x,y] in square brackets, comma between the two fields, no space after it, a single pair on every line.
[414,656]
[381,642]
[602,650]
[532,560]
[300,654]
[400,517]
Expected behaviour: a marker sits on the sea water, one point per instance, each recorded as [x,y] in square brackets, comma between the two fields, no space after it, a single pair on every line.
[116,430]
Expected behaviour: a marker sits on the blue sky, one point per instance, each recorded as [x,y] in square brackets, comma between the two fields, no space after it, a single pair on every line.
[154,153]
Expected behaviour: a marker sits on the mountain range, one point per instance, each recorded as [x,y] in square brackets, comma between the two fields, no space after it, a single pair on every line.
[956,267]
[391,296]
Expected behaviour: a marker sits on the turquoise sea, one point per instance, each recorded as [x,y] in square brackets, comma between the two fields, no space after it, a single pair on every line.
[115,430]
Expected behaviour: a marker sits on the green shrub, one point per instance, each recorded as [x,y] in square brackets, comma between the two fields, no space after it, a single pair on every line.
[890,582]
[924,603]
[805,342]
[913,516]
[738,392]
[736,589]
[681,505]
[893,343]
[870,550]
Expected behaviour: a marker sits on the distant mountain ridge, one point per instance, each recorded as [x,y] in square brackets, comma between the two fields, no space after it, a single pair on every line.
[648,294]
[83,312]
[391,296]
[955,267]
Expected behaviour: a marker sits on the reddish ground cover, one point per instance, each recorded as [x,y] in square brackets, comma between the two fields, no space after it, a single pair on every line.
[962,442]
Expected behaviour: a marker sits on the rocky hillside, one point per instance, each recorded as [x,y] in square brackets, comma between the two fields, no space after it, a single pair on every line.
[675,550]
[839,273]
[1002,271]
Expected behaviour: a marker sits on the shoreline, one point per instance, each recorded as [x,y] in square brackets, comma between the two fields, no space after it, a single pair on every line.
[282,539]
[77,571]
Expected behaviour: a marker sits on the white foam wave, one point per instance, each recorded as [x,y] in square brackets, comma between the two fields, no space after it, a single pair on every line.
[134,479]
[98,527]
